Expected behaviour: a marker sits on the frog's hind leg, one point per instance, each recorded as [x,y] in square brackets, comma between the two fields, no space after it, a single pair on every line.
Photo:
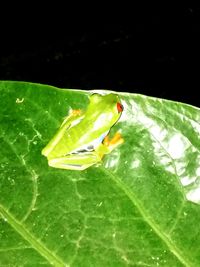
[73,118]
[75,161]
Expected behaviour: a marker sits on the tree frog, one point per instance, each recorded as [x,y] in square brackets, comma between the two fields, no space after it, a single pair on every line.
[82,139]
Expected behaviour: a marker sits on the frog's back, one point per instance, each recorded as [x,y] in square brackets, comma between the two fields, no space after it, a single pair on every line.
[79,137]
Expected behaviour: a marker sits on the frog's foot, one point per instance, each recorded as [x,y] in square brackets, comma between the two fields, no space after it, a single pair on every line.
[73,115]
[114,142]
[76,112]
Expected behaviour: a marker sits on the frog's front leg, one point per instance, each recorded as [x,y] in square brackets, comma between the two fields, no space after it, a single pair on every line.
[79,161]
[114,142]
[108,145]
[73,115]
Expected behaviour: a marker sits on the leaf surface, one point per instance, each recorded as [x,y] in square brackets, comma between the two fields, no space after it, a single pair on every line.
[140,207]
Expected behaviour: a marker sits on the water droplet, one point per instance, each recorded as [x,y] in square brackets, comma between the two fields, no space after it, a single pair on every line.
[19,101]
[61,235]
[114,234]
[135,164]
[2,166]
[12,182]
[99,204]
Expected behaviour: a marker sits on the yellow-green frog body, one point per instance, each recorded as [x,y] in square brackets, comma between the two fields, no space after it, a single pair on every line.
[79,142]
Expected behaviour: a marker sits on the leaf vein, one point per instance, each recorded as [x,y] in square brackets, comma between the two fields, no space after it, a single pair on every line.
[35,243]
[175,250]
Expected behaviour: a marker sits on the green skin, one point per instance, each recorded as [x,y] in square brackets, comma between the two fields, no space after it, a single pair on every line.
[69,148]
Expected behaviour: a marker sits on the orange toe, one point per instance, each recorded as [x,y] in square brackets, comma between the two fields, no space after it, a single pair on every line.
[117,139]
[76,112]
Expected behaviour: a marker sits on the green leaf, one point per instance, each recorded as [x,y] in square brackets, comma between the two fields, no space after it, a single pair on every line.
[139,208]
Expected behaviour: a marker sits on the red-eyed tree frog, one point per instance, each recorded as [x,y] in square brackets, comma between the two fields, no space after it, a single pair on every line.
[82,139]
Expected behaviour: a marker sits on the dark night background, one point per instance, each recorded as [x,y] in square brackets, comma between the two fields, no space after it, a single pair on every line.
[152,53]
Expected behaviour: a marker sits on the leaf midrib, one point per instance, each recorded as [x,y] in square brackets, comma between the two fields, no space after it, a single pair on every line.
[149,221]
[36,244]
[56,261]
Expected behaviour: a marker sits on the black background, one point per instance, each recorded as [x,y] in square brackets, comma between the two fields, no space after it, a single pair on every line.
[155,53]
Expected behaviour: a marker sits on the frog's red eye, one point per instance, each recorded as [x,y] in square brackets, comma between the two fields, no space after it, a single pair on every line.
[119,107]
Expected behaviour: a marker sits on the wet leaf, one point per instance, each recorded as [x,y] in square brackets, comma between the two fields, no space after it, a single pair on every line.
[139,208]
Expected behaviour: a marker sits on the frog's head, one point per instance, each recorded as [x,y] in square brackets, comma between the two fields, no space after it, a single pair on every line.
[106,109]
